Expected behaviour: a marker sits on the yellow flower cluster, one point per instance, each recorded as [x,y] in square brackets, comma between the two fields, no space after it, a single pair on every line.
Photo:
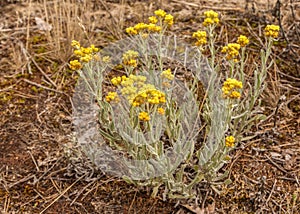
[112,96]
[229,141]
[243,40]
[75,65]
[142,27]
[232,50]
[229,88]
[137,92]
[160,13]
[272,31]
[84,55]
[75,44]
[211,17]
[152,27]
[169,20]
[129,58]
[144,116]
[161,111]
[117,80]
[167,74]
[153,19]
[150,95]
[201,37]
[106,59]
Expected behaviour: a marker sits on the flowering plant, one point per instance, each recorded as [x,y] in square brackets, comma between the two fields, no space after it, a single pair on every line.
[140,113]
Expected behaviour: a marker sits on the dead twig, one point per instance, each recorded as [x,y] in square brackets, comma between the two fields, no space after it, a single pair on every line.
[276,165]
[41,86]
[61,194]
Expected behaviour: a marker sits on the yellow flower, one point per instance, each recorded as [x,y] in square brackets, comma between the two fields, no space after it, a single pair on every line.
[167,74]
[131,62]
[233,83]
[229,88]
[211,14]
[201,37]
[160,13]
[162,99]
[129,58]
[243,40]
[153,20]
[235,95]
[78,53]
[137,92]
[96,57]
[75,44]
[116,81]
[94,49]
[75,65]
[144,116]
[131,31]
[211,17]
[112,96]
[154,28]
[161,111]
[86,58]
[232,50]
[86,50]
[229,141]
[85,54]
[140,26]
[272,31]
[106,59]
[130,54]
[169,19]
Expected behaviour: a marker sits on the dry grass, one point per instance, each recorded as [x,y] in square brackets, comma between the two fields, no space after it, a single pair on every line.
[42,172]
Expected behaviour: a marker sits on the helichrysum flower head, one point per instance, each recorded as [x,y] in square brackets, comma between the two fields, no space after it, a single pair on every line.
[131,62]
[106,59]
[211,14]
[86,58]
[144,116]
[167,74]
[85,54]
[116,80]
[229,141]
[75,65]
[112,96]
[201,37]
[153,19]
[131,31]
[75,44]
[153,28]
[232,50]
[211,17]
[130,54]
[169,20]
[161,111]
[86,50]
[129,58]
[272,31]
[137,92]
[140,26]
[78,53]
[230,87]
[94,49]
[242,41]
[160,13]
